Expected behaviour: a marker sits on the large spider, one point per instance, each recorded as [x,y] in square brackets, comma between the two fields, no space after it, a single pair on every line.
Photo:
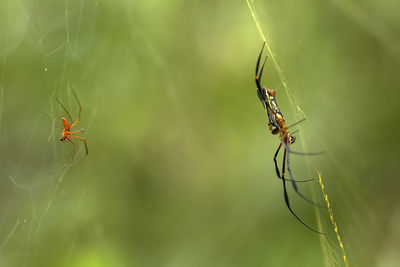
[276,124]
[66,133]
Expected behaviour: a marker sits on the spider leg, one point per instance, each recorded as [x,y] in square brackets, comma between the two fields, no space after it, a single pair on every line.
[74,132]
[73,152]
[292,133]
[84,141]
[66,111]
[277,169]
[294,182]
[307,154]
[297,122]
[80,109]
[285,194]
[261,71]
[259,58]
[258,75]
[276,164]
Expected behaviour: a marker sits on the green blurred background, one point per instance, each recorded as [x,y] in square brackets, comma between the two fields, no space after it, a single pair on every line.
[180,170]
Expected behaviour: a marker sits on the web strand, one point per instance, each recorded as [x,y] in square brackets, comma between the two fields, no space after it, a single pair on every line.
[292,102]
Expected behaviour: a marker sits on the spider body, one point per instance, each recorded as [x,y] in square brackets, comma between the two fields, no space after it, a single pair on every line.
[276,121]
[276,124]
[67,134]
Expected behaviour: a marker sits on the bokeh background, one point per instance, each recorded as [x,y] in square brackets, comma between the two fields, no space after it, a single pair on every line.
[180,170]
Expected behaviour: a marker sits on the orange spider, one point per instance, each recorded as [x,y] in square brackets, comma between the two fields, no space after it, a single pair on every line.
[66,133]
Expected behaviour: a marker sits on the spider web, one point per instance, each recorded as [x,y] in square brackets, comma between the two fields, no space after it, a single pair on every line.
[34,163]
[350,222]
[179,171]
[329,247]
[50,211]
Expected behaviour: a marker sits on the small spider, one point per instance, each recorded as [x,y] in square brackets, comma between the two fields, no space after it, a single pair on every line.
[66,133]
[276,124]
